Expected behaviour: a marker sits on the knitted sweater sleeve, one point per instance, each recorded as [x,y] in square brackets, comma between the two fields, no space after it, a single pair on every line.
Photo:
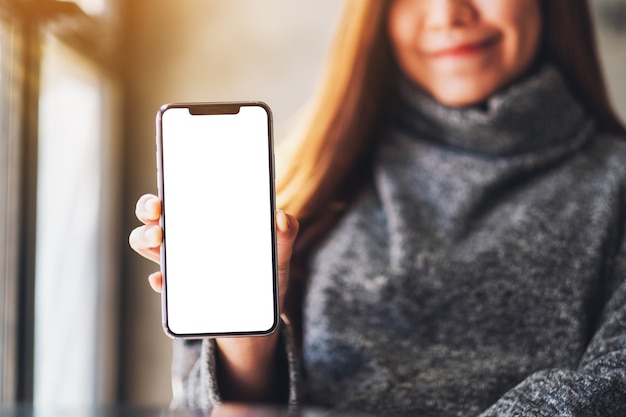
[598,386]
[194,371]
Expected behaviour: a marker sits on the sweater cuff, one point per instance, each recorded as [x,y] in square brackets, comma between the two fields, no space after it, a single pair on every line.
[293,360]
[193,377]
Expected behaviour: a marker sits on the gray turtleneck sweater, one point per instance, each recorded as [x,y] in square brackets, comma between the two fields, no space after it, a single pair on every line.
[481,273]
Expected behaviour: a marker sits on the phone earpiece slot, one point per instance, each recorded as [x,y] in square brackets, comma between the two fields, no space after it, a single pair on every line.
[199,110]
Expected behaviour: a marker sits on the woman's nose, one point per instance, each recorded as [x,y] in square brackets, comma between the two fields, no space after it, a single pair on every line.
[442,14]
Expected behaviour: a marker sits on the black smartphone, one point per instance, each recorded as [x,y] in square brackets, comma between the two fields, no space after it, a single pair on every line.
[216,183]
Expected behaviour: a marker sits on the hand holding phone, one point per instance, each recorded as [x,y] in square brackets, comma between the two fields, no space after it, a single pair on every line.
[218,257]
[241,357]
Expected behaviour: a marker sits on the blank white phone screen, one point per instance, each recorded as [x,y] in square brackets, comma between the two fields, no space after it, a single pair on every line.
[218,222]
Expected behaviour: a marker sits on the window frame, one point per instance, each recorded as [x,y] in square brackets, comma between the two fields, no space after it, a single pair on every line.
[10,186]
[93,38]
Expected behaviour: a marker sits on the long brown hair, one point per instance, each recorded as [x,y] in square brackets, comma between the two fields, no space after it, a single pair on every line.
[569,41]
[341,114]
[325,162]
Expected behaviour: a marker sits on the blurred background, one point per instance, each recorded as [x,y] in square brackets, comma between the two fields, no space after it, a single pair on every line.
[80,84]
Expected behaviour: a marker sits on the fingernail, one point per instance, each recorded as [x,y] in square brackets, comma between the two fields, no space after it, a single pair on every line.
[154,279]
[150,204]
[152,235]
[282,221]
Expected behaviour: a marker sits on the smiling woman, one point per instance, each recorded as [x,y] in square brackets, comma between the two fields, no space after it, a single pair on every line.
[458,184]
[209,49]
[496,39]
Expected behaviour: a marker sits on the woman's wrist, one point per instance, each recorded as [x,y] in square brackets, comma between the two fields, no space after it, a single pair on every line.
[246,367]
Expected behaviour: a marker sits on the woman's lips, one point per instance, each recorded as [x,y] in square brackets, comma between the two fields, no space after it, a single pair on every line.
[465,49]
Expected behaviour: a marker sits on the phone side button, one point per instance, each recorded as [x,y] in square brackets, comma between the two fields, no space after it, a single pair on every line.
[158,175]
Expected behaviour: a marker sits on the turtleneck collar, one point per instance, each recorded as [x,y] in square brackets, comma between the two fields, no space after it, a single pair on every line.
[537,112]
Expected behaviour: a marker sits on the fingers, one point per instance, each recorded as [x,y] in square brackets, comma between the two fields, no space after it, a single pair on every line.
[156,281]
[146,241]
[148,209]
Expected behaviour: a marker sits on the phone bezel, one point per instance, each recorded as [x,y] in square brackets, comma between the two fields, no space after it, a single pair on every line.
[207,108]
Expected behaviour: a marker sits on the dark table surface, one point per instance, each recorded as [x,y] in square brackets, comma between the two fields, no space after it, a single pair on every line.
[225,410]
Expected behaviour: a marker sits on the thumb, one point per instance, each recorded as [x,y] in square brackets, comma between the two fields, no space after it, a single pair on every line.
[286,231]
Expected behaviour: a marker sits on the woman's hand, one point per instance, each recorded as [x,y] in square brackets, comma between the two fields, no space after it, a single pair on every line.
[146,240]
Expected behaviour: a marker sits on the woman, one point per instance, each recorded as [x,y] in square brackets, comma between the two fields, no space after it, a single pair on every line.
[460,195]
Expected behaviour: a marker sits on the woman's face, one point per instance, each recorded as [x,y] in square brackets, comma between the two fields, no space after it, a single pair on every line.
[462,51]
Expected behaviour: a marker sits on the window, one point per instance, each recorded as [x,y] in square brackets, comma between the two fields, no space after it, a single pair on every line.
[9,207]
[58,192]
[73,288]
